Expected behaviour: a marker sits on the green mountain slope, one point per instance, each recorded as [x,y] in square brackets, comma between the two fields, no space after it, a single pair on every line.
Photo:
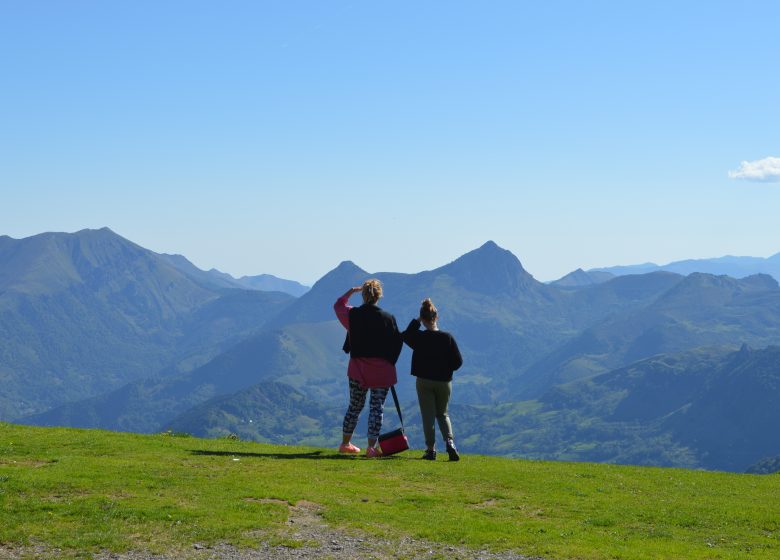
[294,355]
[84,313]
[700,310]
[706,408]
[733,422]
[268,412]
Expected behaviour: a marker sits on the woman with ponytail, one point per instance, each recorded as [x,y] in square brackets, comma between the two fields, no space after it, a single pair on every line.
[374,344]
[436,356]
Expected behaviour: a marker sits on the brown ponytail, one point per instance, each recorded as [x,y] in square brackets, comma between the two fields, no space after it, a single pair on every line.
[428,311]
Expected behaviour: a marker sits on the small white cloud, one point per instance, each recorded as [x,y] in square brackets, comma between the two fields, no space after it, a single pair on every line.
[765,170]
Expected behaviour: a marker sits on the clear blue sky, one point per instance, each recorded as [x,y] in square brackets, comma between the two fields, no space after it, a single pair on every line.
[283,137]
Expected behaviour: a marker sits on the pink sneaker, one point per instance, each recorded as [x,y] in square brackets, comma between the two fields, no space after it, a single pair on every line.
[373,452]
[349,448]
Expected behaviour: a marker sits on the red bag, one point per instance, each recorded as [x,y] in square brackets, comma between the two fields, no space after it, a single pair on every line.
[395,441]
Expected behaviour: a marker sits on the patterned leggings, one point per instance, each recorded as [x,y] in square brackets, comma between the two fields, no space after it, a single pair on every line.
[357,399]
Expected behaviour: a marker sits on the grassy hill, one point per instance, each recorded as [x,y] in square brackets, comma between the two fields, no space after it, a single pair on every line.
[87,491]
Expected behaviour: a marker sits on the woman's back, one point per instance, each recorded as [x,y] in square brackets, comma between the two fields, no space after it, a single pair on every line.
[373,332]
[436,354]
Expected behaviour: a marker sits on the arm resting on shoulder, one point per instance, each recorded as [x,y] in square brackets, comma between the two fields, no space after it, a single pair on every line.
[456,360]
[411,332]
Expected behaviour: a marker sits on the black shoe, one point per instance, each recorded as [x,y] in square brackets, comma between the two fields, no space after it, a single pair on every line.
[452,451]
[429,455]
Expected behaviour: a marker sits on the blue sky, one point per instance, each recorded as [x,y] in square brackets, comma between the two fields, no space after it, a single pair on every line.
[283,137]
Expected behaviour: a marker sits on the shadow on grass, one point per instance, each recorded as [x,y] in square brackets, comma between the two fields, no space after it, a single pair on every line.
[316,455]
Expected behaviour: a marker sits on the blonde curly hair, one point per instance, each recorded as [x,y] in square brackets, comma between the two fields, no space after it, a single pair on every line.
[371,290]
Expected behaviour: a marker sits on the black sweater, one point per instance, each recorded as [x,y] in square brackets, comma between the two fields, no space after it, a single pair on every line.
[436,354]
[373,333]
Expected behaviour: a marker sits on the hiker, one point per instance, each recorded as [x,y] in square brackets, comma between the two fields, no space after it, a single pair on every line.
[435,357]
[374,344]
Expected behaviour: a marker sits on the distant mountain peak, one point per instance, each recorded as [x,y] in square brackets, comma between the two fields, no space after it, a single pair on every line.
[269,282]
[695,277]
[490,245]
[578,274]
[580,278]
[100,232]
[731,265]
[316,304]
[348,266]
[703,280]
[700,290]
[490,269]
[760,281]
[752,282]
[574,278]
[490,249]
[218,279]
[346,274]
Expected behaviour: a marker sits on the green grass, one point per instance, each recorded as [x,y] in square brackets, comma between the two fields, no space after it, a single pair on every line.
[85,491]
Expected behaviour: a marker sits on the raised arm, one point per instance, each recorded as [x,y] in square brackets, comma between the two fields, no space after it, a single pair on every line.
[342,307]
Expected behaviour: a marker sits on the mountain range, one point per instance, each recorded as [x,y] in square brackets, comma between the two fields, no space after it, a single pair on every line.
[99,332]
[84,313]
[217,279]
[737,267]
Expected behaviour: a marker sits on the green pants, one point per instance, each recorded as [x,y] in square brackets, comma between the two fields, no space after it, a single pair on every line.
[434,396]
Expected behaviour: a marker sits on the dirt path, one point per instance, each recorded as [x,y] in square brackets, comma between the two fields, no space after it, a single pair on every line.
[313,539]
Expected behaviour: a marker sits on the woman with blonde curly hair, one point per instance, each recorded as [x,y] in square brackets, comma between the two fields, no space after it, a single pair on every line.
[374,344]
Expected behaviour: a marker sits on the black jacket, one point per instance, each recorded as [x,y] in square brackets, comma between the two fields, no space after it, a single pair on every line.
[436,354]
[373,333]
